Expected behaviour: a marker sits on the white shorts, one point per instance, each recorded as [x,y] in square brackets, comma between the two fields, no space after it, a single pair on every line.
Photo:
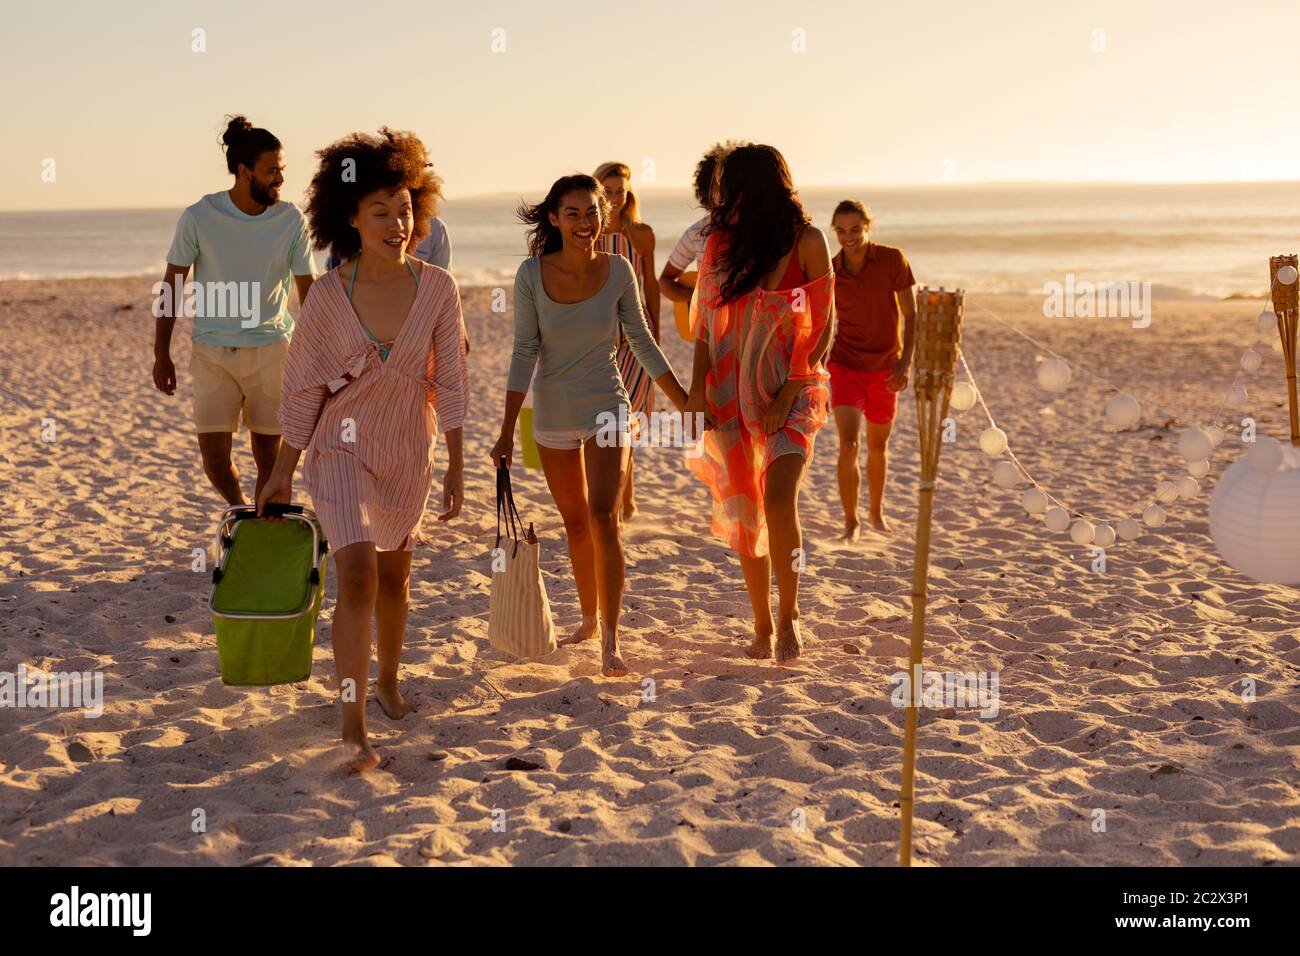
[567,439]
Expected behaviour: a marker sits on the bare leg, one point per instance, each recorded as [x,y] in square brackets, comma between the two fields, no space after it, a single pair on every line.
[390,621]
[785,538]
[877,466]
[758,582]
[568,483]
[629,495]
[848,422]
[265,448]
[219,467]
[357,574]
[606,469]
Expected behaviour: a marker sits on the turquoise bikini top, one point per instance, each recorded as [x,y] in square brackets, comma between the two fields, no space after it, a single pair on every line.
[383,349]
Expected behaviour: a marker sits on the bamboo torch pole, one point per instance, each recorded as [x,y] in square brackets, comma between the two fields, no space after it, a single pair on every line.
[938,339]
[1284,304]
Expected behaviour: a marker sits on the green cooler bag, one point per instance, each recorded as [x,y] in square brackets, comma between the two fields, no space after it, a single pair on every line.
[266,594]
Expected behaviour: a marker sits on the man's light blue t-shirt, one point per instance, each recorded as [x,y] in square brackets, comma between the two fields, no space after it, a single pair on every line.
[230,250]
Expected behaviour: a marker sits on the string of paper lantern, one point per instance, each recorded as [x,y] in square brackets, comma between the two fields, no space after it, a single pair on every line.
[1123,410]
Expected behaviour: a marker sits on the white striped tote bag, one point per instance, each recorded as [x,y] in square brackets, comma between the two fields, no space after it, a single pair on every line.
[519,617]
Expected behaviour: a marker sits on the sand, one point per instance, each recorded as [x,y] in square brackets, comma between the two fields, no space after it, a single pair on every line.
[1119,691]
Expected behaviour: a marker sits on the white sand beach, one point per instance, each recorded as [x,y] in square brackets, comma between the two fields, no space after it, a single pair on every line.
[1119,691]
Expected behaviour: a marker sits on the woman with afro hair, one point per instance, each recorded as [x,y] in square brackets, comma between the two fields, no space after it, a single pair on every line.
[376,367]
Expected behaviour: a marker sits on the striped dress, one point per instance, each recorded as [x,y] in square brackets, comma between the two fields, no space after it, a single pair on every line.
[368,426]
[635,380]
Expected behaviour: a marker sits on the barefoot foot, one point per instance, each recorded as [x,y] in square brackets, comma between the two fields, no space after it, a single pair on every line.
[851,532]
[588,629]
[363,758]
[880,524]
[789,643]
[611,662]
[392,701]
[761,647]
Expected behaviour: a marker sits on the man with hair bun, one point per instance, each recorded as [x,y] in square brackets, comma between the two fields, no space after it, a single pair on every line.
[245,245]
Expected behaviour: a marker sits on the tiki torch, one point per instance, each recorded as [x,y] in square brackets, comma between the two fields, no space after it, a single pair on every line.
[938,339]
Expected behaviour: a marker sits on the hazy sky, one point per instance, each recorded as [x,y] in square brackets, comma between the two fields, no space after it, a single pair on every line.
[882,93]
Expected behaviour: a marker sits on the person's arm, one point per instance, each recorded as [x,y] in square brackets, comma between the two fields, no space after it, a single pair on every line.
[523,361]
[644,242]
[167,305]
[670,287]
[451,384]
[907,306]
[303,284]
[302,396]
[644,347]
[679,260]
[301,263]
[184,252]
[815,258]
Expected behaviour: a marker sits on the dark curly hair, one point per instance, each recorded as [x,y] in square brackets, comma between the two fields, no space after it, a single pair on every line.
[544,237]
[758,214]
[393,160]
[706,171]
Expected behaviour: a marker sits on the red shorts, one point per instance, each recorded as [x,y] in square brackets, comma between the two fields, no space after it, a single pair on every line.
[865,390]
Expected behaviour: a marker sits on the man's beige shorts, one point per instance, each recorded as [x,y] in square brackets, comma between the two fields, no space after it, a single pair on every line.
[227,380]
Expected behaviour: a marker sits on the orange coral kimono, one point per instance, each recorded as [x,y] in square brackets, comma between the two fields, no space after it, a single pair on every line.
[756,344]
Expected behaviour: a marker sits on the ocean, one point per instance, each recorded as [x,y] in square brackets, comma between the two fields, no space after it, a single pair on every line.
[1188,240]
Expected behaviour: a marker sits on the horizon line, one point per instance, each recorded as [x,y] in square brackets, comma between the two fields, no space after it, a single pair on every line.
[973,184]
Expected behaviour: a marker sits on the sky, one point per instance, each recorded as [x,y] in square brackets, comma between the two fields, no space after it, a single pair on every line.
[510,95]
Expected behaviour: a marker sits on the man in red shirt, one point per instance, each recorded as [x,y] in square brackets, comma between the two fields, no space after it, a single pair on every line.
[871,356]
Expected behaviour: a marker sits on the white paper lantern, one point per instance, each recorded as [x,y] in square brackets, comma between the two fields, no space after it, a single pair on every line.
[1035,501]
[1123,410]
[1154,516]
[1216,435]
[993,441]
[1054,374]
[1198,469]
[963,397]
[1236,396]
[1255,519]
[1103,536]
[1005,474]
[1056,519]
[1188,487]
[1129,528]
[1194,444]
[1265,455]
[1287,275]
[1166,491]
[1251,360]
[1268,321]
[1081,531]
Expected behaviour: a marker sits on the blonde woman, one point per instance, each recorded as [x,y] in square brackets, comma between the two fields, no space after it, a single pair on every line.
[626,235]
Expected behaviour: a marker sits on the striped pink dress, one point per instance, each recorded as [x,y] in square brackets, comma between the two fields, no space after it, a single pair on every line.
[368,426]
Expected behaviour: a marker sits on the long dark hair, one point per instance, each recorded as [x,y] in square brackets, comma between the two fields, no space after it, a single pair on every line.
[244,142]
[758,215]
[544,237]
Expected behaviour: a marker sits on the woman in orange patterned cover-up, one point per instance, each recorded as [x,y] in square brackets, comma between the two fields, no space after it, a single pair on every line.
[764,317]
